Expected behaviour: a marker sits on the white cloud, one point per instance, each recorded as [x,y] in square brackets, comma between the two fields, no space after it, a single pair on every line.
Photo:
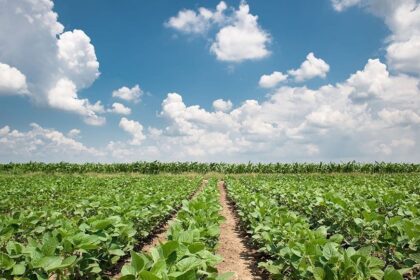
[340,5]
[189,21]
[312,67]
[12,81]
[78,58]
[73,133]
[64,96]
[241,40]
[42,144]
[222,105]
[399,117]
[135,129]
[119,108]
[46,56]
[128,94]
[403,19]
[270,81]
[405,55]
[238,37]
[333,122]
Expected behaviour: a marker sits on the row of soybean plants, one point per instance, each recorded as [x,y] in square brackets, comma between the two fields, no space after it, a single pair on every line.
[80,226]
[156,167]
[333,226]
[189,252]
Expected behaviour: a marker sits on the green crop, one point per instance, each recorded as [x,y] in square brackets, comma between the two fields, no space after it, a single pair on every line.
[156,167]
[332,226]
[189,251]
[80,227]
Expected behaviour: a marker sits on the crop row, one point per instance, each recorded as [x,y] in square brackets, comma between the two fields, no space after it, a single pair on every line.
[331,227]
[189,252]
[156,167]
[80,226]
[378,211]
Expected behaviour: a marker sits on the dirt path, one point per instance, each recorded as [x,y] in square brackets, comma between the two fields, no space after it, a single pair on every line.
[237,257]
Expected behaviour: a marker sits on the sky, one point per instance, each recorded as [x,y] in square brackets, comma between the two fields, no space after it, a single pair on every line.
[232,81]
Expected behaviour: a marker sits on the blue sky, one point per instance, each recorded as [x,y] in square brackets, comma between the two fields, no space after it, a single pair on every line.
[347,82]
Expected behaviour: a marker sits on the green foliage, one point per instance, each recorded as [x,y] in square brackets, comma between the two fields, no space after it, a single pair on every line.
[156,167]
[80,226]
[332,226]
[189,251]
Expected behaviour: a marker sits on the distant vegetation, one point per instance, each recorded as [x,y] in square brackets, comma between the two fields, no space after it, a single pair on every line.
[156,167]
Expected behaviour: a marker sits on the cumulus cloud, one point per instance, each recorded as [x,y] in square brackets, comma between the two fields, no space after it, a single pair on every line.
[43,144]
[78,58]
[222,105]
[64,96]
[189,21]
[119,108]
[12,81]
[45,56]
[242,40]
[238,38]
[135,129]
[272,80]
[128,94]
[312,67]
[333,122]
[403,20]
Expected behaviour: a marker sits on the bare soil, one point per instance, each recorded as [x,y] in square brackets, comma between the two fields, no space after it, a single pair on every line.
[238,257]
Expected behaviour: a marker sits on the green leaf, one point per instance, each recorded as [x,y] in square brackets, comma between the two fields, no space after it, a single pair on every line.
[19,269]
[67,262]
[377,273]
[189,275]
[392,274]
[376,262]
[188,263]
[196,247]
[6,262]
[48,263]
[365,251]
[49,246]
[337,238]
[102,224]
[137,262]
[116,252]
[146,275]
[169,247]
[319,273]
[128,269]
[329,250]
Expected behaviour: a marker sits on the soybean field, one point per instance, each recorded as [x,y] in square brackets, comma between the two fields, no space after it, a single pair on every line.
[199,221]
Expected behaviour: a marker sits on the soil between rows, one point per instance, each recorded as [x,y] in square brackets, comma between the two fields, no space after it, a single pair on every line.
[238,257]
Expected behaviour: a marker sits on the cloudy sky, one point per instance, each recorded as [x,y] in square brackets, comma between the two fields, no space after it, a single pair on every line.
[234,81]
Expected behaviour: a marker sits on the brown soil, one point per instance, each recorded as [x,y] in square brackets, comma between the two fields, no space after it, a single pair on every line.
[237,256]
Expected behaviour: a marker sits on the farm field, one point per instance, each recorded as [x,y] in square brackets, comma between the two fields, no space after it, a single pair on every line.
[332,226]
[336,223]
